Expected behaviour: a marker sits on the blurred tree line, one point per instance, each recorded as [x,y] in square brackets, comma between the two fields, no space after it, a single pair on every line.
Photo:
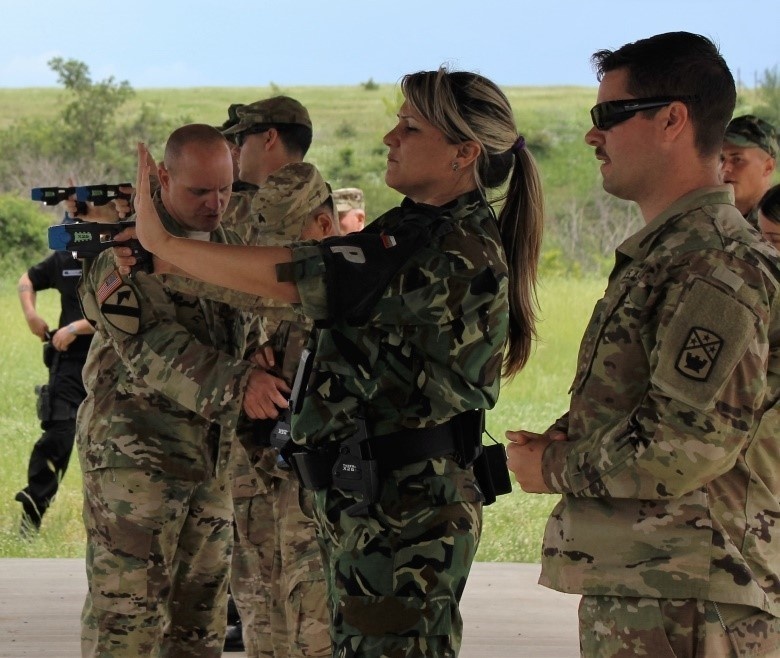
[92,138]
[89,139]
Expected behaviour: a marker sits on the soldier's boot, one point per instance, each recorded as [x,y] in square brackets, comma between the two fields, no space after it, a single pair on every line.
[31,516]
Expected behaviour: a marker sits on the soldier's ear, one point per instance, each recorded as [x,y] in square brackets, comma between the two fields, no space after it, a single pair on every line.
[325,222]
[769,166]
[273,137]
[164,176]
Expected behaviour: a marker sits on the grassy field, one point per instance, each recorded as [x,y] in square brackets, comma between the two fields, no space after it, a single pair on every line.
[513,525]
[349,123]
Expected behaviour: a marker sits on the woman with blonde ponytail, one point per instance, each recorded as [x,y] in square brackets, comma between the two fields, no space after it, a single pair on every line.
[419,315]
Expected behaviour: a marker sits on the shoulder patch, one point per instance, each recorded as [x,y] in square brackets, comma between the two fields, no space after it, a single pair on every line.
[119,304]
[706,337]
[109,285]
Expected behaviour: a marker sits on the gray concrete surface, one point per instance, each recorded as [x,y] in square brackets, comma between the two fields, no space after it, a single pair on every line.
[506,614]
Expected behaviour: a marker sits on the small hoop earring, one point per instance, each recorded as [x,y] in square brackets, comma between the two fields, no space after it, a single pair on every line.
[455,166]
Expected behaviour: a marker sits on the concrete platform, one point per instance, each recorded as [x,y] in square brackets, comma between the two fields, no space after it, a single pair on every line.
[506,614]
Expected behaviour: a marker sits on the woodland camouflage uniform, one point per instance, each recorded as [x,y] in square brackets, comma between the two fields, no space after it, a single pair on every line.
[413,314]
[413,311]
[161,377]
[672,438]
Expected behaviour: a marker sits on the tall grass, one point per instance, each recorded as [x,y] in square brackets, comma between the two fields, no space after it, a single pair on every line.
[513,525]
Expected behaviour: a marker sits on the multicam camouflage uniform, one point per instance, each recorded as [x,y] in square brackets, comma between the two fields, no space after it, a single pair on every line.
[160,377]
[413,314]
[672,441]
[277,578]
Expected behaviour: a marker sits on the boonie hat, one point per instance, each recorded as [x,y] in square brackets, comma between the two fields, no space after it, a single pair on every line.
[286,199]
[349,198]
[752,131]
[279,109]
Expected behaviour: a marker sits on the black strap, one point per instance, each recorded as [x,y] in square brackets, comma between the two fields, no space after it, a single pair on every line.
[390,451]
[408,446]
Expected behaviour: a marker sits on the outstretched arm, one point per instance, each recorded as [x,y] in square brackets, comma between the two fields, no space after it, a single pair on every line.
[248,269]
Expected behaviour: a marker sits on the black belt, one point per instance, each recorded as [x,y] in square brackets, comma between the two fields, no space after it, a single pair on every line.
[389,451]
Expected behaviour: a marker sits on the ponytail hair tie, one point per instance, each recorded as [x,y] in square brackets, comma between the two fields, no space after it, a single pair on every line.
[519,144]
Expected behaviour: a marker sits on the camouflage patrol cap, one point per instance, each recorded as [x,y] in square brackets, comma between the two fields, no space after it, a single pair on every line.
[287,199]
[349,198]
[752,131]
[279,109]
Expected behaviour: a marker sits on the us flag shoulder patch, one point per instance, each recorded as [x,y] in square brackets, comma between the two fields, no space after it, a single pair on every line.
[119,304]
[109,285]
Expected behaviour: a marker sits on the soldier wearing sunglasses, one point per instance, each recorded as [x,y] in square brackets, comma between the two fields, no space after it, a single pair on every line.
[669,444]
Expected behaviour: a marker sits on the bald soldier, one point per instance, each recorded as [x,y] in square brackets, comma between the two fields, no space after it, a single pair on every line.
[278,582]
[164,374]
[285,614]
[748,162]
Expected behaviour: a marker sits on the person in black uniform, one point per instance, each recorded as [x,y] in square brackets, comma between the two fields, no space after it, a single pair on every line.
[65,351]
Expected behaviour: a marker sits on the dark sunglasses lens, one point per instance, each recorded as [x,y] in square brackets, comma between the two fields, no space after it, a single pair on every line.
[606,115]
[601,116]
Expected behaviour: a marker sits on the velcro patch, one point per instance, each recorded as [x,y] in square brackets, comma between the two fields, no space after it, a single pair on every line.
[705,339]
[119,304]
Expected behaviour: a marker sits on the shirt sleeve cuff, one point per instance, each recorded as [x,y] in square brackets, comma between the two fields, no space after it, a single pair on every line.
[555,466]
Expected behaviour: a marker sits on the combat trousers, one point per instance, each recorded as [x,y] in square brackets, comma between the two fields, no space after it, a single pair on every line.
[48,462]
[51,453]
[396,575]
[158,562]
[277,579]
[625,627]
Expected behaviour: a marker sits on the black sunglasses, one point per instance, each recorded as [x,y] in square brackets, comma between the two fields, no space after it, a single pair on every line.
[241,137]
[610,113]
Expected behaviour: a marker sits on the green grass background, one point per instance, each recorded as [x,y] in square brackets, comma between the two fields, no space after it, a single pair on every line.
[513,525]
[346,119]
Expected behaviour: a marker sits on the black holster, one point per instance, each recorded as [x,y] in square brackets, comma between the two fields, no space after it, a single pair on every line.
[359,463]
[43,406]
[489,461]
[355,469]
[492,473]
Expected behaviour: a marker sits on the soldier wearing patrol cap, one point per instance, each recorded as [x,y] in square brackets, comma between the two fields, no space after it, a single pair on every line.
[163,374]
[669,445]
[351,208]
[280,199]
[274,135]
[748,161]
[270,133]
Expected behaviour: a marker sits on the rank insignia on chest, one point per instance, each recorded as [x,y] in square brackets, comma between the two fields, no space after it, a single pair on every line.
[119,304]
[699,353]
